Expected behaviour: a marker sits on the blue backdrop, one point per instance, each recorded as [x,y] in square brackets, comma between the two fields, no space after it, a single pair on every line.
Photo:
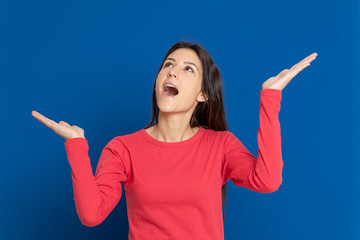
[93,64]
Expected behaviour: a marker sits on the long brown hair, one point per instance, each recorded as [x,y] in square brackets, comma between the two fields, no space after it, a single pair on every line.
[209,114]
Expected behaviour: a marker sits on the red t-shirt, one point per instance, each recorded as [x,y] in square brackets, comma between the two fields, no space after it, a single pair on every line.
[173,189]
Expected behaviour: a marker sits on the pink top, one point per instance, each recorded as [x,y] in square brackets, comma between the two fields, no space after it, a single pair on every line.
[173,189]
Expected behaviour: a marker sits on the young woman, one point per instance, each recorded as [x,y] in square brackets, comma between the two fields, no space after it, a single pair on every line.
[175,172]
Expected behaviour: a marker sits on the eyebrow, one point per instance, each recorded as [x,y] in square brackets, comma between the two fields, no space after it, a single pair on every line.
[184,62]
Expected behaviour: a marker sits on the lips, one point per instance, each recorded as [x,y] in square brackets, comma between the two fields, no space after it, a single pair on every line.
[168,82]
[170,89]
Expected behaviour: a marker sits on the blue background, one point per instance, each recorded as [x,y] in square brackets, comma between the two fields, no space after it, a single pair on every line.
[93,64]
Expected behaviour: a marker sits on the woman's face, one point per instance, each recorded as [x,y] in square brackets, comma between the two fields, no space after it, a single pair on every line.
[183,69]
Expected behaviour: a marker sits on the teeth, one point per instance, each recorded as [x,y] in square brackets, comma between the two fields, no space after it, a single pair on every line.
[169,85]
[171,88]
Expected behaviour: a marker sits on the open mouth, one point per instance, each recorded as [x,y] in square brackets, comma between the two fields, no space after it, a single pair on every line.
[170,91]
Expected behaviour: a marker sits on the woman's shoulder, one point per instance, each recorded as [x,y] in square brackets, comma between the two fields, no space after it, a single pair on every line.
[127,137]
[216,134]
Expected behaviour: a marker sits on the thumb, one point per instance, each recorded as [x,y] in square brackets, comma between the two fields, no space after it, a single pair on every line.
[64,124]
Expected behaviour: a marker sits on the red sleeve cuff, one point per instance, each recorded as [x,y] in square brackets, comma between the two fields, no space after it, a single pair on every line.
[271,92]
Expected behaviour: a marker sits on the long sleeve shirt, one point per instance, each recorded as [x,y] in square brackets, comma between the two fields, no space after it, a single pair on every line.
[173,189]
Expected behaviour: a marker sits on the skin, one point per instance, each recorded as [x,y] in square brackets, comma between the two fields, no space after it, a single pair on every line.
[285,76]
[175,114]
[62,128]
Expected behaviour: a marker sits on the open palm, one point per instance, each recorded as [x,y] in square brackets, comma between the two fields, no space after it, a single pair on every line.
[284,77]
[62,128]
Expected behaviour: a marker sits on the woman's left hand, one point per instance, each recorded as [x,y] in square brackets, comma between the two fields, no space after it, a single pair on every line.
[284,77]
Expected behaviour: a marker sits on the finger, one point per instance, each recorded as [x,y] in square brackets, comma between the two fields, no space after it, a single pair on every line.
[311,57]
[301,65]
[308,59]
[305,61]
[48,122]
[284,71]
[40,117]
[294,71]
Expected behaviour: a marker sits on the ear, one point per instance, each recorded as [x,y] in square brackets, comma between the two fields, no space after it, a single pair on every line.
[202,97]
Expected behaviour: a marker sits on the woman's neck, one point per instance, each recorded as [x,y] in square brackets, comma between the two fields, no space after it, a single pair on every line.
[170,129]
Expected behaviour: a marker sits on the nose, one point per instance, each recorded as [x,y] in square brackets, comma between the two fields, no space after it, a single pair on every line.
[172,73]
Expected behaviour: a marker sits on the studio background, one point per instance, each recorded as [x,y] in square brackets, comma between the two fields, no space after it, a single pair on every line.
[93,64]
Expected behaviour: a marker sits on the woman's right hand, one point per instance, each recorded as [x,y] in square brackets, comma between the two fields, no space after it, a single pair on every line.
[62,128]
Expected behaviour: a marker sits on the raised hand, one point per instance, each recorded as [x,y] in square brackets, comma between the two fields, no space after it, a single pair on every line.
[62,128]
[284,77]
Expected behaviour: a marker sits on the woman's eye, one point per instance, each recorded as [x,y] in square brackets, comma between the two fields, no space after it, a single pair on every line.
[167,64]
[187,68]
